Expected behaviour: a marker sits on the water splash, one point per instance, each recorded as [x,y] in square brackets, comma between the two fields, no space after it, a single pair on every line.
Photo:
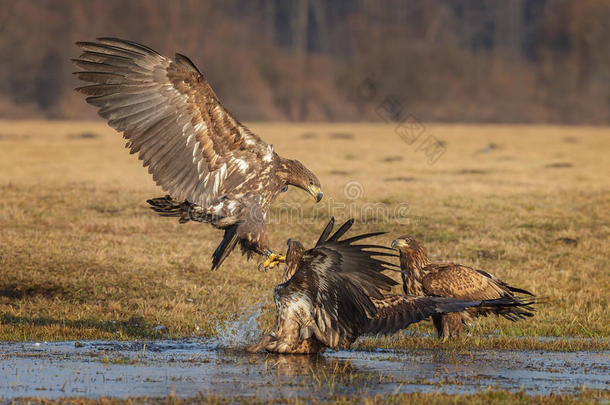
[242,332]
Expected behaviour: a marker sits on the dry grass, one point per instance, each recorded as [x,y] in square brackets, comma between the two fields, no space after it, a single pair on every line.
[83,257]
[491,397]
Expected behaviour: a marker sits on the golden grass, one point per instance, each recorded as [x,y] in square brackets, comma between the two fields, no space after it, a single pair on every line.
[83,257]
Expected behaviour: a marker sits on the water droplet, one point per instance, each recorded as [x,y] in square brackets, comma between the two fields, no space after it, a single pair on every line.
[242,332]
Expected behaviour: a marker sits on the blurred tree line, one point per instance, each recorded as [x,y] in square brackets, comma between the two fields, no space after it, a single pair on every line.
[444,60]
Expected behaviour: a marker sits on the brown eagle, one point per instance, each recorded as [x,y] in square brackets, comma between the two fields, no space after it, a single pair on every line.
[333,293]
[422,278]
[213,167]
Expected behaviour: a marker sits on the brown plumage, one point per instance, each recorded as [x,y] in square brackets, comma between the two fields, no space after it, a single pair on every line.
[420,277]
[213,167]
[333,293]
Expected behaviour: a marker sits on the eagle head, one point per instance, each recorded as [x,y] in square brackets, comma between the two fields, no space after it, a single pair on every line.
[411,251]
[295,250]
[296,174]
[293,257]
[408,244]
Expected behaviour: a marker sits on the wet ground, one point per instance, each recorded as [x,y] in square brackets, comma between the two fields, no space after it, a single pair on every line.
[189,367]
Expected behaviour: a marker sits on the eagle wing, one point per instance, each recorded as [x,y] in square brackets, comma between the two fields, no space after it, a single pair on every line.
[396,311]
[455,280]
[337,279]
[171,118]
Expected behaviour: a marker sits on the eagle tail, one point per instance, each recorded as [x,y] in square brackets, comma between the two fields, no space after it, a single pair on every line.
[229,240]
[186,211]
[168,207]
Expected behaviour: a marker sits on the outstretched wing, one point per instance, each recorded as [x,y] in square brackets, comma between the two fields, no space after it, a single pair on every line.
[337,279]
[455,280]
[171,117]
[396,311]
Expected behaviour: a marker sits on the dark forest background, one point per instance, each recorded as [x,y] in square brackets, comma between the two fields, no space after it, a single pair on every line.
[454,61]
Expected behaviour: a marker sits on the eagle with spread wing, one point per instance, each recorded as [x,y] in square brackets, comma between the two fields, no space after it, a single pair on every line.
[213,168]
[422,278]
[335,292]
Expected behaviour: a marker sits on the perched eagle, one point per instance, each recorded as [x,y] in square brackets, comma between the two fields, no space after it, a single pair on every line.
[422,278]
[213,167]
[333,293]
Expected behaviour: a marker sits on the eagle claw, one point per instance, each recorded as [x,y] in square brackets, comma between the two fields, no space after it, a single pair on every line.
[272,261]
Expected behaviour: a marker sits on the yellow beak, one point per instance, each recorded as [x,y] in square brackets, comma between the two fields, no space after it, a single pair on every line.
[315,192]
[398,243]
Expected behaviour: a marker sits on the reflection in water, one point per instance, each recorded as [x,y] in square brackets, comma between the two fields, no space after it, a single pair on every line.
[189,367]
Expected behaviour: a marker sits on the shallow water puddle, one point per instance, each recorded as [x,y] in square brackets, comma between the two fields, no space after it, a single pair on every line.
[188,367]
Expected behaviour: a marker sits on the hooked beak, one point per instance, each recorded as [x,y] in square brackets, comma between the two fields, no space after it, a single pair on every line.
[316,192]
[396,243]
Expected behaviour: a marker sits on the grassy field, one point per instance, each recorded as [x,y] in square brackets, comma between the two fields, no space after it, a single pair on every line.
[82,257]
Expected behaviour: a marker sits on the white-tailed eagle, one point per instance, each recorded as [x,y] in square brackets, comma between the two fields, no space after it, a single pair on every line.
[420,277]
[213,168]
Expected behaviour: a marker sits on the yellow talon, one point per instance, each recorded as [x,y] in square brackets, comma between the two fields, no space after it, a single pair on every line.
[273,260]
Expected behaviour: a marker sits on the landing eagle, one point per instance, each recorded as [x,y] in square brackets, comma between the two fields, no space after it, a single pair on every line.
[421,277]
[335,292]
[213,167]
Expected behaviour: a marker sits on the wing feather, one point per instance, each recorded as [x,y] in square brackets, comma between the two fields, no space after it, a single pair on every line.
[454,280]
[366,235]
[326,232]
[341,231]
[340,280]
[504,285]
[396,311]
[134,46]
[170,117]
